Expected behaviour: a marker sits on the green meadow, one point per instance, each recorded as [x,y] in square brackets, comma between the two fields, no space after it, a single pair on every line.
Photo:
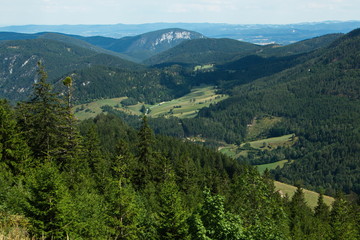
[272,143]
[311,197]
[90,110]
[270,166]
[235,151]
[188,105]
[260,125]
[183,107]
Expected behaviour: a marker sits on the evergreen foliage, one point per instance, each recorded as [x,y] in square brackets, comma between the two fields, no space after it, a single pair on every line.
[48,204]
[213,222]
[103,179]
[39,118]
[343,220]
[14,151]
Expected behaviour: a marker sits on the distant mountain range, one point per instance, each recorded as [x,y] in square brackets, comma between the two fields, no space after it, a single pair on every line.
[134,48]
[101,66]
[218,51]
[254,33]
[144,45]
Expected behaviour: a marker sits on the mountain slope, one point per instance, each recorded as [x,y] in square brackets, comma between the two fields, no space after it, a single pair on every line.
[20,57]
[204,51]
[304,46]
[319,101]
[16,36]
[145,45]
[134,48]
[220,51]
[144,85]
[68,39]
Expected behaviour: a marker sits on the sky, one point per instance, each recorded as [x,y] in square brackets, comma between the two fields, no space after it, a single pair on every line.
[58,12]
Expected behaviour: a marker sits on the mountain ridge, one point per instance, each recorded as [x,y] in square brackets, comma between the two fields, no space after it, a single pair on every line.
[254,33]
[220,51]
[133,48]
[20,57]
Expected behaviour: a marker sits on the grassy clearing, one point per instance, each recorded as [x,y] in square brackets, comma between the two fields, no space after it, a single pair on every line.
[89,110]
[261,125]
[270,166]
[188,105]
[272,143]
[235,151]
[204,67]
[310,196]
[184,107]
[229,150]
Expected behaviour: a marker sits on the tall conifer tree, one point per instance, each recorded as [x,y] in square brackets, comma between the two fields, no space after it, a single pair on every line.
[301,216]
[40,118]
[171,216]
[146,162]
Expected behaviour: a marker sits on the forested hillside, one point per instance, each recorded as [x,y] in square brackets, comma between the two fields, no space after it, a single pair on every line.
[100,73]
[18,68]
[101,179]
[145,45]
[318,101]
[221,51]
[111,177]
[204,51]
[96,75]
[145,85]
[314,96]
[134,48]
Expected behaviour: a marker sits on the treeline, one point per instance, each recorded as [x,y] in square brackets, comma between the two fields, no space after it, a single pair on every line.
[149,85]
[203,128]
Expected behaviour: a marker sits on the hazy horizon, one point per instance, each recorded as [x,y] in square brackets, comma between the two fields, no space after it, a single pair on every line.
[110,12]
[145,23]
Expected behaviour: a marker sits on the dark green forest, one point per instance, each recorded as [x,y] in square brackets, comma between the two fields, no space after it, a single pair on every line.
[148,85]
[119,176]
[316,96]
[102,179]
[318,101]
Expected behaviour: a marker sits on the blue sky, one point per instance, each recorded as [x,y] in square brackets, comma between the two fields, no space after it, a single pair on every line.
[23,12]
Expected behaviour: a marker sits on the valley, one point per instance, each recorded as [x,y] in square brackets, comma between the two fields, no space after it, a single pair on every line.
[172,134]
